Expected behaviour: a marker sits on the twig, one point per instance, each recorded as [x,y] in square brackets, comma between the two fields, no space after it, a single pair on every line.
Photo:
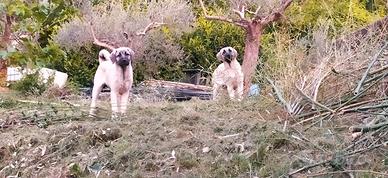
[348,171]
[362,102]
[361,82]
[366,108]
[312,118]
[228,136]
[379,70]
[314,102]
[149,27]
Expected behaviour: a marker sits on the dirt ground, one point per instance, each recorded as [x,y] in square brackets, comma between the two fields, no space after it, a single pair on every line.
[43,137]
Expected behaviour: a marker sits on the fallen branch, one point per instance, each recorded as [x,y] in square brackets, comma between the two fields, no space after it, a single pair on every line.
[379,70]
[329,160]
[385,105]
[279,95]
[348,171]
[228,136]
[361,92]
[361,82]
[367,128]
[314,102]
[176,85]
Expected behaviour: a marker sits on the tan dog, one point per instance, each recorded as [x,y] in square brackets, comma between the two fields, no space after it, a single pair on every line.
[114,70]
[228,73]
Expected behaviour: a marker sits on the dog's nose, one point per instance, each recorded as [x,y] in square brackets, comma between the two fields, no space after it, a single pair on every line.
[228,56]
[124,62]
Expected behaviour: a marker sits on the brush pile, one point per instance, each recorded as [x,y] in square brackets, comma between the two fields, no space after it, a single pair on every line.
[338,81]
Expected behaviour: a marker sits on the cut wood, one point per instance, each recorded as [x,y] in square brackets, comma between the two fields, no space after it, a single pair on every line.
[176,85]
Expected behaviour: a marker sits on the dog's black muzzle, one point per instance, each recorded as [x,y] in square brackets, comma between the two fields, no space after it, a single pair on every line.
[228,58]
[123,62]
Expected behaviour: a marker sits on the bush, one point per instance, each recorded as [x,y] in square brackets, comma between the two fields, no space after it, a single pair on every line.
[31,84]
[208,38]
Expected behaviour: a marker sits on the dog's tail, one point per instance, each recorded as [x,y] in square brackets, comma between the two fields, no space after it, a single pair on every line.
[103,55]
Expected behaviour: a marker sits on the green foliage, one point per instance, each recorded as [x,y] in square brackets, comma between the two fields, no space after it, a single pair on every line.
[31,84]
[208,38]
[81,65]
[35,55]
[41,19]
[305,15]
[7,103]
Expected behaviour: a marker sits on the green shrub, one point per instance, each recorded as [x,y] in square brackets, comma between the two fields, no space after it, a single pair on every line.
[209,37]
[31,84]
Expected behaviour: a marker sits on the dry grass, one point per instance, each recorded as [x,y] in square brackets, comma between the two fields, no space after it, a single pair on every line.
[161,139]
[320,68]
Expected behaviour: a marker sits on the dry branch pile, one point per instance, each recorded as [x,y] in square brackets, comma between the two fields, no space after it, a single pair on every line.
[339,83]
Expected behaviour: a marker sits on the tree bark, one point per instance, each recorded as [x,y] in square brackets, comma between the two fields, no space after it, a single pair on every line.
[6,38]
[251,53]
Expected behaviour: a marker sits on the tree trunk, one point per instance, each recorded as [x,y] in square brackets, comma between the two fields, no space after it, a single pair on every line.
[6,38]
[251,54]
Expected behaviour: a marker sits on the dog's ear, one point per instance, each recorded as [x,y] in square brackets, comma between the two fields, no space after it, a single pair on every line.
[113,56]
[131,52]
[219,55]
[235,53]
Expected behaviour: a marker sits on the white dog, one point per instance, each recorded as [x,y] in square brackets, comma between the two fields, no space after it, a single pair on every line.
[228,74]
[114,70]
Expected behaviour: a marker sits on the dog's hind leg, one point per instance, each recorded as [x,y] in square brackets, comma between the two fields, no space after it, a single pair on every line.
[96,90]
[240,91]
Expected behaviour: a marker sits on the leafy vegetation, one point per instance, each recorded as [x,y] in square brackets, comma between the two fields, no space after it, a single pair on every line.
[42,22]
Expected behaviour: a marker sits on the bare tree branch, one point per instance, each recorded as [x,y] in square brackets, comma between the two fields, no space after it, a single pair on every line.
[219,18]
[100,43]
[275,15]
[240,13]
[149,27]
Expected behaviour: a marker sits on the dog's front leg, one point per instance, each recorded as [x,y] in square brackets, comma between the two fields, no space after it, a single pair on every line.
[124,102]
[114,100]
[231,92]
[216,88]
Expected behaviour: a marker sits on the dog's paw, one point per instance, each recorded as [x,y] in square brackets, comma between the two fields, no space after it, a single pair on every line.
[92,112]
[115,116]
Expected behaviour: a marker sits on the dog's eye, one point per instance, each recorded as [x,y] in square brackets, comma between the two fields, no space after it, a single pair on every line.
[229,50]
[223,52]
[126,53]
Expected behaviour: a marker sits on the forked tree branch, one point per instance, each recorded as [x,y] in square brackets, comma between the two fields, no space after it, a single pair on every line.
[149,27]
[254,13]
[240,13]
[100,43]
[275,15]
[224,19]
